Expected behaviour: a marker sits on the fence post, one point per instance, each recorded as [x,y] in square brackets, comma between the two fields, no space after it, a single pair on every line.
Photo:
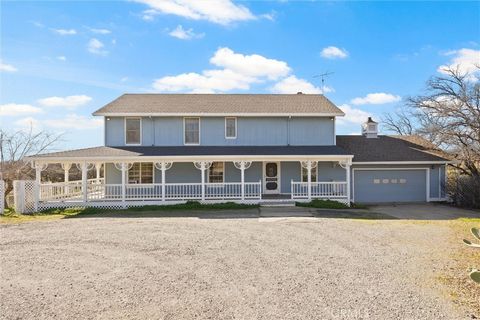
[19,196]
[2,196]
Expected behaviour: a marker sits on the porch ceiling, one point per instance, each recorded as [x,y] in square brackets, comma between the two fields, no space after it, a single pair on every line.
[234,152]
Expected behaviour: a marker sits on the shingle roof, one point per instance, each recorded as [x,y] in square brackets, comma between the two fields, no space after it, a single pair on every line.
[390,148]
[221,104]
[139,151]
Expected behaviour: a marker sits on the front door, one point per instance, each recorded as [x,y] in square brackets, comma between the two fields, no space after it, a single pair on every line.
[271,177]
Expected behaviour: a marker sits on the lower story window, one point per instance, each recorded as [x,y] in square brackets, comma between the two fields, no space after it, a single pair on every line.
[141,172]
[216,172]
[305,175]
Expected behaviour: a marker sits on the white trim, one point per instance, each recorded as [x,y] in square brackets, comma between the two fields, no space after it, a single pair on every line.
[199,132]
[402,162]
[194,157]
[208,172]
[234,137]
[427,178]
[279,178]
[125,131]
[215,114]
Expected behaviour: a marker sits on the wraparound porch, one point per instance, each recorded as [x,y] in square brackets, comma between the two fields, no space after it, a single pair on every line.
[245,181]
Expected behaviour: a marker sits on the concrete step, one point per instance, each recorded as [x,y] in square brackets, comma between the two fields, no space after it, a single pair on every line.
[278,204]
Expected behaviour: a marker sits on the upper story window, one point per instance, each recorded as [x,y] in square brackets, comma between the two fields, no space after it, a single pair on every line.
[305,175]
[133,130]
[191,130]
[141,172]
[230,128]
[216,172]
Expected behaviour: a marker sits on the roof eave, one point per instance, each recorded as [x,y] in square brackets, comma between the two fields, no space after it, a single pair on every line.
[211,114]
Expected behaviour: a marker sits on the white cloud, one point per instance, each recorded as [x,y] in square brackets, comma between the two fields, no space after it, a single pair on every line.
[68,102]
[250,65]
[467,61]
[73,121]
[208,82]
[95,46]
[15,109]
[376,98]
[69,122]
[293,84]
[124,79]
[65,32]
[221,12]
[100,31]
[62,58]
[7,67]
[185,34]
[238,72]
[352,115]
[334,53]
[28,122]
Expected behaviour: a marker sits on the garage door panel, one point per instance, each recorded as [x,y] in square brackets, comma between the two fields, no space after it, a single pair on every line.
[390,186]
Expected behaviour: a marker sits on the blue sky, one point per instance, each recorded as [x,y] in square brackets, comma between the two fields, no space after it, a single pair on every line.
[60,61]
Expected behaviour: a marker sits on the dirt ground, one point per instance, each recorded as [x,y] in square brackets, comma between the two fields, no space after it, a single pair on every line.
[225,267]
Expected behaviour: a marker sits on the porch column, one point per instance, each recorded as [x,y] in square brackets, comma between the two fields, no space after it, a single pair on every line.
[242,165]
[163,166]
[347,168]
[66,176]
[39,167]
[98,166]
[203,166]
[309,165]
[123,167]
[346,164]
[124,176]
[84,181]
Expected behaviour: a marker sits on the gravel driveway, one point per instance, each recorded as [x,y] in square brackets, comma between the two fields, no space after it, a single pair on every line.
[248,268]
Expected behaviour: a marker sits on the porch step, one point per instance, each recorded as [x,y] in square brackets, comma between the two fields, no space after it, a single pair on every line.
[278,204]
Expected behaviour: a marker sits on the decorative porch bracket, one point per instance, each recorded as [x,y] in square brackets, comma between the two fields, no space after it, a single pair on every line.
[346,164]
[203,166]
[123,167]
[163,166]
[242,165]
[39,167]
[309,165]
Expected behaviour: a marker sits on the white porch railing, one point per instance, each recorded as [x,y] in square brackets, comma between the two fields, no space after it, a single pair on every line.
[325,190]
[73,191]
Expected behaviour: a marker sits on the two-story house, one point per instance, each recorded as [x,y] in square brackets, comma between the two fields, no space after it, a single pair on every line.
[164,148]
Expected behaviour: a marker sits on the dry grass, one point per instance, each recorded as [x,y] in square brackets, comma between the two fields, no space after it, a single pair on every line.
[461,289]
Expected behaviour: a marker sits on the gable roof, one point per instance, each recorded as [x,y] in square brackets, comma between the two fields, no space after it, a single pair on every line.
[220,105]
[391,148]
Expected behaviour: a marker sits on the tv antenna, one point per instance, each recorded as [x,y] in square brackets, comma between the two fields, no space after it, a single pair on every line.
[323,76]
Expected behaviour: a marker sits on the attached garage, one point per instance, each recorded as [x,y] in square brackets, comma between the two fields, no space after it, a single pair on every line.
[390,185]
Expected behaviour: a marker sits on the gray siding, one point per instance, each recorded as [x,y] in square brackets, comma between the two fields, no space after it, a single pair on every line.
[112,174]
[289,171]
[168,131]
[331,171]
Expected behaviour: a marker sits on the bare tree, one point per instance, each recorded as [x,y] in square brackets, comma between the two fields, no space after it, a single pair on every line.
[448,115]
[18,145]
